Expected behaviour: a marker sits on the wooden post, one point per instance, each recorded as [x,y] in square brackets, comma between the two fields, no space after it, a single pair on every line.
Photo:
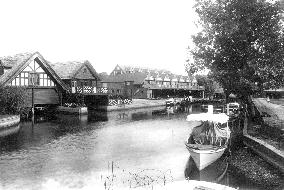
[33,105]
[228,110]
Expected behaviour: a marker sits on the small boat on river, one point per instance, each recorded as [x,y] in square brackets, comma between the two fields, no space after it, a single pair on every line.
[208,141]
[9,125]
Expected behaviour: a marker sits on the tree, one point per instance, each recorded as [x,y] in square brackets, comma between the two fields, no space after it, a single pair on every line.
[241,43]
[208,83]
[12,99]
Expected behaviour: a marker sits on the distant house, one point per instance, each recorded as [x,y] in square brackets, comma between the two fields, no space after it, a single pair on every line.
[79,76]
[148,83]
[127,85]
[275,93]
[31,70]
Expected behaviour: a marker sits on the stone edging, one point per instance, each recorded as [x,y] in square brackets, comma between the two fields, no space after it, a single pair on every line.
[265,150]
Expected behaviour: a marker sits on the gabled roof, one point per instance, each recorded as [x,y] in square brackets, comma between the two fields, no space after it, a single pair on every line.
[18,62]
[68,70]
[142,69]
[150,74]
[137,78]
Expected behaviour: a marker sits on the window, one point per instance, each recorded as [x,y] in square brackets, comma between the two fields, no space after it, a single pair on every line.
[73,83]
[34,79]
[159,82]
[104,85]
[21,80]
[85,83]
[117,72]
[118,91]
[44,80]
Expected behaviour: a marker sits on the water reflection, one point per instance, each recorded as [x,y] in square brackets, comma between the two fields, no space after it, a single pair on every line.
[77,149]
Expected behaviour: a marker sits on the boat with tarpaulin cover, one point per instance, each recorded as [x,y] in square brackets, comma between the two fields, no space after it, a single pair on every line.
[208,141]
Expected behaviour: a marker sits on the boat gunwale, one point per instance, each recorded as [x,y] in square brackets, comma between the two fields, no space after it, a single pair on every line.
[205,151]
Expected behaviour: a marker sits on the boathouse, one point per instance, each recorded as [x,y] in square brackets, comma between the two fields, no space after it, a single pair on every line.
[81,78]
[137,82]
[128,85]
[32,71]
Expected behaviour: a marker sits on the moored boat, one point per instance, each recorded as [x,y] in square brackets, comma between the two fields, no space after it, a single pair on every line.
[208,141]
[204,157]
[215,172]
[9,125]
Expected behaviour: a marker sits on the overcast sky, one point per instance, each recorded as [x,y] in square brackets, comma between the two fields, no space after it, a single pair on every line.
[148,33]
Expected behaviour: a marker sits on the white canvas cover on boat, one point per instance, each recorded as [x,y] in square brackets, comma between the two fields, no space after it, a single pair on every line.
[215,118]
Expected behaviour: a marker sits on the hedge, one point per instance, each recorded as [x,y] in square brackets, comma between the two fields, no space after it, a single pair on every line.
[12,99]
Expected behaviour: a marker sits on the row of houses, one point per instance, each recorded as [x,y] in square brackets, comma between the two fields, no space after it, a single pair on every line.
[139,82]
[51,82]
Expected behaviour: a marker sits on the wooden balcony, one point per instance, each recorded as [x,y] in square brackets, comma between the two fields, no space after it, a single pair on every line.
[91,90]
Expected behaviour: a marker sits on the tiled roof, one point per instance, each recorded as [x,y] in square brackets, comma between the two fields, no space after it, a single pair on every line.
[13,62]
[68,70]
[143,69]
[16,62]
[151,74]
[137,78]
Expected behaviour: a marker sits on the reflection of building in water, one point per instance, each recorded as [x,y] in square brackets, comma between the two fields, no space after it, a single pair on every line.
[122,115]
[141,115]
[190,109]
[101,115]
[170,110]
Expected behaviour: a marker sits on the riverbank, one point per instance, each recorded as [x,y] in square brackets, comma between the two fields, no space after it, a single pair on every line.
[246,166]
[258,169]
[271,128]
[137,103]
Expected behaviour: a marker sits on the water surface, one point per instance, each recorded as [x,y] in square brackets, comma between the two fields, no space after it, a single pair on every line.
[77,152]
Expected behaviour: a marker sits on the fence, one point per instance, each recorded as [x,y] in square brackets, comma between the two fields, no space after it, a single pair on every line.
[118,102]
[145,178]
[89,90]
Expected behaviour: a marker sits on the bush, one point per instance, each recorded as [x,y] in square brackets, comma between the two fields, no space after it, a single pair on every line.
[73,100]
[12,99]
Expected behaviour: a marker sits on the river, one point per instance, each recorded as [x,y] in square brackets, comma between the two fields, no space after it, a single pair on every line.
[100,151]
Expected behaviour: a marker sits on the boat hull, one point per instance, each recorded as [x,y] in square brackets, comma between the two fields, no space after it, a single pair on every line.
[203,158]
[9,125]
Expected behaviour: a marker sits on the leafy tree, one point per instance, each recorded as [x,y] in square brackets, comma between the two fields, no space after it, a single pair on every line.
[12,99]
[210,86]
[241,43]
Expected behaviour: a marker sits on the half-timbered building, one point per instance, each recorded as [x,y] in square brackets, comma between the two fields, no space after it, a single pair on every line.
[79,76]
[32,71]
[150,83]
[82,78]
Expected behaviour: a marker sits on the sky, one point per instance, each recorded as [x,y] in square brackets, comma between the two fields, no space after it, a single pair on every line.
[146,33]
